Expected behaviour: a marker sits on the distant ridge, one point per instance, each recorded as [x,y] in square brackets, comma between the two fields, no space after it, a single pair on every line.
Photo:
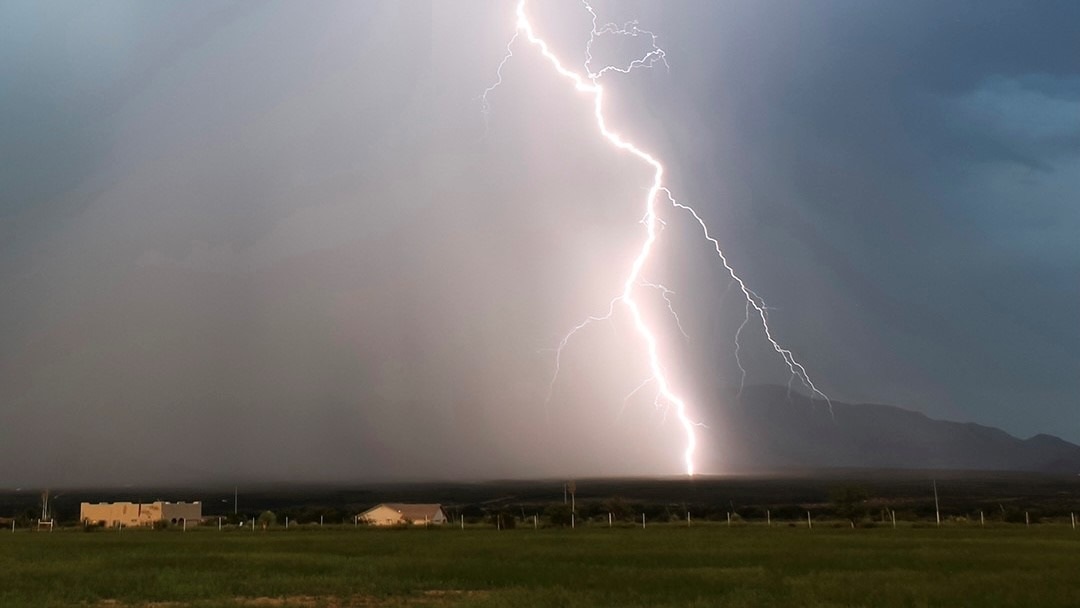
[770,428]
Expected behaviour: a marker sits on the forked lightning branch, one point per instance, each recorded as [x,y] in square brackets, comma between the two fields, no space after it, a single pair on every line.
[587,82]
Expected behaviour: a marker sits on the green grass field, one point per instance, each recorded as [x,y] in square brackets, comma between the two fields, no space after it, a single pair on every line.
[671,565]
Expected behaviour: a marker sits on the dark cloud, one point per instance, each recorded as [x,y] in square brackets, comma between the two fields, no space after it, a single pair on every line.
[905,157]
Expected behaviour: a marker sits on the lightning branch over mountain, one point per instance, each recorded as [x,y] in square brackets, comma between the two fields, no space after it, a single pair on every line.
[588,83]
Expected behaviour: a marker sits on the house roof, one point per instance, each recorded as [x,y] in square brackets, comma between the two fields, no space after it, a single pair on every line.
[410,511]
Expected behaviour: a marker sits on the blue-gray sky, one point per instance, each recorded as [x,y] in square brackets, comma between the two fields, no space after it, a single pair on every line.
[271,239]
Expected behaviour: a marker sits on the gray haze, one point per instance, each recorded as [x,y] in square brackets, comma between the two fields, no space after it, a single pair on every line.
[274,241]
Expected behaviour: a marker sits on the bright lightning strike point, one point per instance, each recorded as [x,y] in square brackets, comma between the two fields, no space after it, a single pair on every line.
[589,85]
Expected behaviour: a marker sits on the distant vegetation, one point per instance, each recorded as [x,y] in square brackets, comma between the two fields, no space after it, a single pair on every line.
[860,497]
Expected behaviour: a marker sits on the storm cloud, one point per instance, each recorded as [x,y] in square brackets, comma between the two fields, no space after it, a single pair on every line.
[248,240]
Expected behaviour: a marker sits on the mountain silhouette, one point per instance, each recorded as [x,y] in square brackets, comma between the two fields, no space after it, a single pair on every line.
[769,428]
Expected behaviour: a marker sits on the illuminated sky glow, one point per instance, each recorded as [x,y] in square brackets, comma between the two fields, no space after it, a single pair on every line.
[591,86]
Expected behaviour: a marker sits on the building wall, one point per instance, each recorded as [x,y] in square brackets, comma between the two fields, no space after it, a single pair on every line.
[110,513]
[149,513]
[114,514]
[383,516]
[178,512]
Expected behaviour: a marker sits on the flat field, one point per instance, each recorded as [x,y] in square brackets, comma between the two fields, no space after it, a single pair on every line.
[663,565]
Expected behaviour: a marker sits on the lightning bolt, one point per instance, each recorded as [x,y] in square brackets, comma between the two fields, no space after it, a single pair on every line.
[666,294]
[485,107]
[738,347]
[589,84]
[756,302]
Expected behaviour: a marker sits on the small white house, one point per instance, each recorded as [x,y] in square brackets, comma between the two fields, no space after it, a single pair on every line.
[398,513]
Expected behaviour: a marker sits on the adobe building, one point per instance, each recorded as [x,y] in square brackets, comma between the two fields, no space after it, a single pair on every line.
[398,513]
[128,514]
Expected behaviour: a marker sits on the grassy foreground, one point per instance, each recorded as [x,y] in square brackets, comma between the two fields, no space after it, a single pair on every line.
[660,566]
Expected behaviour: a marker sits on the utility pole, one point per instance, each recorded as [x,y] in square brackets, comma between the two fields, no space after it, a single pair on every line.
[235,499]
[46,518]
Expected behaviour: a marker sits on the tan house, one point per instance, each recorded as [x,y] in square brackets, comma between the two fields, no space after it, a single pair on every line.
[397,513]
[130,514]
